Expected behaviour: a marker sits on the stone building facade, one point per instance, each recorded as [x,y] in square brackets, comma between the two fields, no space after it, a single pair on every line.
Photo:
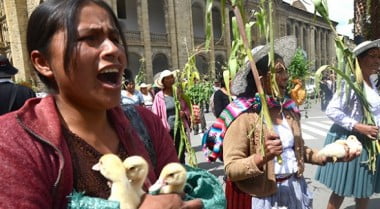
[161,33]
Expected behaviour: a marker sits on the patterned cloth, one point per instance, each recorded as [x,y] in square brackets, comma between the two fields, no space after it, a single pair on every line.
[212,140]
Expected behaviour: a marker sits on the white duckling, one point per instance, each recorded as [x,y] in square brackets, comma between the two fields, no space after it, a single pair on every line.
[354,145]
[137,170]
[338,148]
[112,168]
[172,180]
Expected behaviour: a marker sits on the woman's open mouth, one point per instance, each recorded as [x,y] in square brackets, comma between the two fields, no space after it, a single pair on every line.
[110,77]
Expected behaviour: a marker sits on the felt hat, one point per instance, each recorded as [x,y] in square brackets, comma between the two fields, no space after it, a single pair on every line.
[6,69]
[366,45]
[285,47]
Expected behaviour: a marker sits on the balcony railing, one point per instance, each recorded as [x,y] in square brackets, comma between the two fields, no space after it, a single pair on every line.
[133,35]
[200,40]
[159,37]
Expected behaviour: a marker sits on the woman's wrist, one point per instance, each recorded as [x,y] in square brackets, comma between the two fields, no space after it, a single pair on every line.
[259,160]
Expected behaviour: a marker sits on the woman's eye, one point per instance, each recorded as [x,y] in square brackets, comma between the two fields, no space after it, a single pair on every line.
[87,38]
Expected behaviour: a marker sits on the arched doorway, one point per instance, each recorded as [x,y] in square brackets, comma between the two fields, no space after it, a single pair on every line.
[202,64]
[134,63]
[160,63]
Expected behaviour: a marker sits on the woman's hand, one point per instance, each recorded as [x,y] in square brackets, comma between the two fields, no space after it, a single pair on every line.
[169,201]
[273,146]
[368,130]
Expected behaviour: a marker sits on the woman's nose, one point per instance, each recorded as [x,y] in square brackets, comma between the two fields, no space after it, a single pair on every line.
[112,50]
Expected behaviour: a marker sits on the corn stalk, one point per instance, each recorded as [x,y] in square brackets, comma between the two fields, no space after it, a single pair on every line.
[185,80]
[247,47]
[344,70]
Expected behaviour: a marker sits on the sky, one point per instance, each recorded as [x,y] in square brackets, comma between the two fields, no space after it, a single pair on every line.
[340,11]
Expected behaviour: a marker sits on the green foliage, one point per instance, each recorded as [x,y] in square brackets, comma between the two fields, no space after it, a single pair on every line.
[200,92]
[141,75]
[299,66]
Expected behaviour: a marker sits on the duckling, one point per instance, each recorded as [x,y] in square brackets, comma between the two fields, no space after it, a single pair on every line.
[137,170]
[338,148]
[354,145]
[172,180]
[112,168]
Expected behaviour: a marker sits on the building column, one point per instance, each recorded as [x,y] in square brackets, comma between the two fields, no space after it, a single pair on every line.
[317,49]
[183,30]
[302,44]
[146,39]
[227,32]
[331,47]
[17,20]
[323,44]
[171,23]
[312,46]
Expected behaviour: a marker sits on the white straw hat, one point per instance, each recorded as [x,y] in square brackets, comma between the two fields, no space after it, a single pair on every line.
[366,45]
[163,74]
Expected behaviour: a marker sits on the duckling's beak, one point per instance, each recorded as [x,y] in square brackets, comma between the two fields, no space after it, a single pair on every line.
[156,187]
[96,167]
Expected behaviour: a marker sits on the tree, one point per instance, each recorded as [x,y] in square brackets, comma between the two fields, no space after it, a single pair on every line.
[366,20]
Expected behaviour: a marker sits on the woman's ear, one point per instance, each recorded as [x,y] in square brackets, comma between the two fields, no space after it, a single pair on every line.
[41,63]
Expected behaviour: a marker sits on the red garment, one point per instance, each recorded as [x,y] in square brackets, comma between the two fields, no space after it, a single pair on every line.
[36,170]
[237,199]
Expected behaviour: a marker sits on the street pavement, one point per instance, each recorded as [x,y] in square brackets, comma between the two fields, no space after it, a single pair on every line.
[314,125]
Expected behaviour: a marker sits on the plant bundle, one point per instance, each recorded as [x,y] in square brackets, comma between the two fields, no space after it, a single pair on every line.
[241,52]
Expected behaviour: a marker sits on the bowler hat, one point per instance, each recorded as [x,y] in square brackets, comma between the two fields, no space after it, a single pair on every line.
[285,47]
[6,69]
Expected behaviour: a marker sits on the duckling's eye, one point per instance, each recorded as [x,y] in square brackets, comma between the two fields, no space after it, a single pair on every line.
[171,175]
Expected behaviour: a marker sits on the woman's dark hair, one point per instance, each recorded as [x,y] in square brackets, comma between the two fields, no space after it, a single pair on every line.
[53,16]
[263,68]
[221,81]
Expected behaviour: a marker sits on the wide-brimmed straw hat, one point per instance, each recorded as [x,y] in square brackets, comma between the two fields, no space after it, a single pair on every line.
[285,47]
[163,74]
[6,69]
[144,85]
[365,46]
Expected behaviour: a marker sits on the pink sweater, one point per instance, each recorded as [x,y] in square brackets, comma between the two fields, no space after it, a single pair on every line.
[159,108]
[35,167]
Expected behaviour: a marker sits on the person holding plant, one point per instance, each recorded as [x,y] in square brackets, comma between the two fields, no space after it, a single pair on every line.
[164,106]
[48,147]
[354,178]
[256,178]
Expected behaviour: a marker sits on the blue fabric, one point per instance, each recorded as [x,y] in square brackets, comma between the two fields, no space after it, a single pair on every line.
[348,178]
[205,186]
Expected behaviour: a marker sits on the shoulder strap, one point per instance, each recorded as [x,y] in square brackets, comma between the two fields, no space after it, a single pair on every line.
[137,123]
[13,97]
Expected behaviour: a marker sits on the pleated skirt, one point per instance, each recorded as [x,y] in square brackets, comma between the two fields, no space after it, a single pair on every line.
[349,178]
[237,199]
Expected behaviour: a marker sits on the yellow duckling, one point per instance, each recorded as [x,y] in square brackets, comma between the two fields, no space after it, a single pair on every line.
[137,170]
[172,180]
[112,168]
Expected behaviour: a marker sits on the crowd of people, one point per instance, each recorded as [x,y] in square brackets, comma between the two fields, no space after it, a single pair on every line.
[79,53]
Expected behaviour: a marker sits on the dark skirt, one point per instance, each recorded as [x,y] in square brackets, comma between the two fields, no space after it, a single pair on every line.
[237,199]
[349,178]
